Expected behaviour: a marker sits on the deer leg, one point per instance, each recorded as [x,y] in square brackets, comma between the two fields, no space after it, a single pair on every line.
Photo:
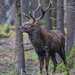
[54,62]
[63,56]
[47,58]
[41,60]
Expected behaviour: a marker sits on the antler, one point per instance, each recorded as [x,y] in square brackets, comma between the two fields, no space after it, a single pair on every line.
[26,16]
[39,7]
[44,11]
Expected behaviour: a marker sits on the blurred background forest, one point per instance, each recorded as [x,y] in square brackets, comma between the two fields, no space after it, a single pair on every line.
[14,58]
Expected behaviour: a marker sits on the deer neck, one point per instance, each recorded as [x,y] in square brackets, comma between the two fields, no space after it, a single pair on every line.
[34,33]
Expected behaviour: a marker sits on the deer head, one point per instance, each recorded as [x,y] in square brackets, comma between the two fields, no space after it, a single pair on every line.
[33,21]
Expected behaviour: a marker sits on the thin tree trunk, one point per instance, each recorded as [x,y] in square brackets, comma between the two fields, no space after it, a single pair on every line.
[60,15]
[19,38]
[53,13]
[65,13]
[60,19]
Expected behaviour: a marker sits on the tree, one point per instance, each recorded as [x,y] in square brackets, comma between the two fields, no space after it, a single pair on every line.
[70,25]
[19,38]
[53,12]
[60,15]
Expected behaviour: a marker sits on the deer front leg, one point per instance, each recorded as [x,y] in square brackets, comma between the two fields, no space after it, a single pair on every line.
[47,58]
[41,60]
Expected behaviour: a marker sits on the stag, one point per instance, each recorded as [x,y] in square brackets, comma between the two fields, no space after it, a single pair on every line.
[46,42]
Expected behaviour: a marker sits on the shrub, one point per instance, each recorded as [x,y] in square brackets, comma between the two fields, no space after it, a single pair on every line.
[4,30]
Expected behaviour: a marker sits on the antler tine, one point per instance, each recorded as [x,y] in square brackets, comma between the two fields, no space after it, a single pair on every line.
[44,11]
[50,2]
[39,6]
[26,16]
[29,16]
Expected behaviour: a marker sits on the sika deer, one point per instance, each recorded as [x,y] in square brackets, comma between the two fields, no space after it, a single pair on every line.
[46,42]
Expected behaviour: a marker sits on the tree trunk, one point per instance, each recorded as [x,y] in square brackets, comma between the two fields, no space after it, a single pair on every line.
[19,38]
[70,26]
[60,15]
[65,13]
[60,19]
[53,13]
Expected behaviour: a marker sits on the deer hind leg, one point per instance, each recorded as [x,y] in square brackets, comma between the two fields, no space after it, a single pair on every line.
[63,56]
[54,61]
[47,58]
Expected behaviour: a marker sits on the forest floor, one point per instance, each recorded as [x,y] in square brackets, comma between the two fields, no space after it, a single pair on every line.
[8,59]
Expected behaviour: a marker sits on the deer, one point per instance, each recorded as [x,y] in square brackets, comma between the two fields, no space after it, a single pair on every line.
[46,42]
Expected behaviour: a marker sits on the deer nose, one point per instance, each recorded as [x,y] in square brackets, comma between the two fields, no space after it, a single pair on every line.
[22,29]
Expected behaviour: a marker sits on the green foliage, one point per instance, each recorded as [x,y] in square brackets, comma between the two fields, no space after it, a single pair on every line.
[71,54]
[34,56]
[4,30]
[61,67]
[74,66]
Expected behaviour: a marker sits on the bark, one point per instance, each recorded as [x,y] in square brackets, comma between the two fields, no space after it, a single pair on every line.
[53,13]
[60,15]
[19,38]
[60,19]
[65,13]
[70,26]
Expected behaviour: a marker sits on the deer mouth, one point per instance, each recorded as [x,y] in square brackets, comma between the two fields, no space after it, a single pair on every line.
[23,29]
